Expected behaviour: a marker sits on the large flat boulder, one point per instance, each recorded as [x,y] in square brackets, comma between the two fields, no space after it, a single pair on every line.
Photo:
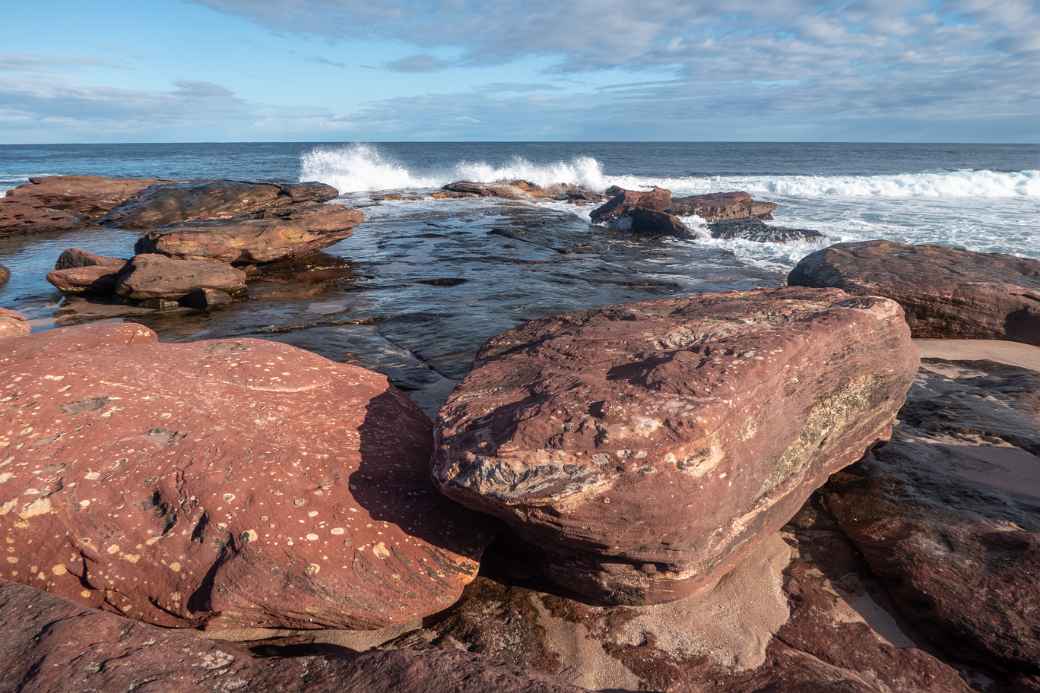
[946,513]
[50,644]
[947,292]
[231,484]
[151,276]
[722,206]
[61,203]
[175,203]
[79,271]
[300,232]
[621,201]
[13,324]
[645,449]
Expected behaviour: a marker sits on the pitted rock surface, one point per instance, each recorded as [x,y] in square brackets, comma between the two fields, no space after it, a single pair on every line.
[237,483]
[646,448]
[947,293]
[297,233]
[175,203]
[947,514]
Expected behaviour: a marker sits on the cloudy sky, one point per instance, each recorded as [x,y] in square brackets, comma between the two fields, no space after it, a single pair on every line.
[330,70]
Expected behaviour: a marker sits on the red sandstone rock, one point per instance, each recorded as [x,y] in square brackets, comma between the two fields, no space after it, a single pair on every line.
[98,280]
[946,292]
[946,513]
[235,483]
[722,206]
[5,275]
[657,199]
[150,276]
[176,203]
[60,203]
[300,232]
[51,645]
[77,257]
[645,449]
[13,324]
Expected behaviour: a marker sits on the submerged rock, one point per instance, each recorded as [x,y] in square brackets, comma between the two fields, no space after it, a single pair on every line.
[946,514]
[301,231]
[13,324]
[61,203]
[722,206]
[5,275]
[50,644]
[646,449]
[622,201]
[758,231]
[150,276]
[946,292]
[175,203]
[234,483]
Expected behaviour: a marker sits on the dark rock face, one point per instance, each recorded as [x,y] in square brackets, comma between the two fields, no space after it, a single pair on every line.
[176,203]
[946,292]
[61,203]
[947,512]
[658,200]
[13,324]
[234,483]
[5,275]
[648,222]
[723,206]
[302,231]
[646,448]
[50,645]
[77,257]
[150,276]
[97,280]
[758,231]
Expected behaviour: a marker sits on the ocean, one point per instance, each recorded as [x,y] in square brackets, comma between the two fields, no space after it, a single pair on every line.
[425,282]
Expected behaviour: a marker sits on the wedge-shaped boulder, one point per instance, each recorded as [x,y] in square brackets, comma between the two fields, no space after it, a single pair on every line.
[151,276]
[61,203]
[80,271]
[947,292]
[237,483]
[302,232]
[645,449]
[174,203]
[946,512]
[621,201]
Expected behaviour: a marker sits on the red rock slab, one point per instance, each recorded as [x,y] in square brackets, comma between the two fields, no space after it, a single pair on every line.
[50,644]
[302,232]
[946,513]
[13,324]
[722,206]
[657,199]
[947,293]
[175,203]
[99,280]
[77,257]
[58,203]
[232,483]
[149,276]
[646,448]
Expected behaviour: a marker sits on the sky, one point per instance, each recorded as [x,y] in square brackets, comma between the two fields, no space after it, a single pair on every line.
[457,70]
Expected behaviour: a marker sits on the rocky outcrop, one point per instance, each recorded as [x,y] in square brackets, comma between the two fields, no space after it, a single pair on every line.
[946,513]
[510,190]
[622,201]
[234,483]
[51,645]
[80,271]
[302,231]
[645,449]
[77,257]
[723,206]
[152,276]
[61,203]
[177,203]
[946,292]
[13,324]
[758,231]
[647,222]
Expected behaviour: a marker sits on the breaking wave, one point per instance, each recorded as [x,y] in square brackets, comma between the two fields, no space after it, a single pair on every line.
[363,168]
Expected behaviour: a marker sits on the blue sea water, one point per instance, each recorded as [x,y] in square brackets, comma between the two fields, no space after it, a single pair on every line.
[510,261]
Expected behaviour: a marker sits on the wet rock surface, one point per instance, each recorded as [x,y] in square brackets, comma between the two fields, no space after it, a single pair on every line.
[758,231]
[621,201]
[50,644]
[151,276]
[233,483]
[175,203]
[645,449]
[723,206]
[63,203]
[650,222]
[946,514]
[946,292]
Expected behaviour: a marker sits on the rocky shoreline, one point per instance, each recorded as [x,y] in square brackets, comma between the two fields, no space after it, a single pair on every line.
[739,491]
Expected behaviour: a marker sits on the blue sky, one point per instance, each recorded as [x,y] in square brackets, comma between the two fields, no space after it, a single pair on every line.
[332,70]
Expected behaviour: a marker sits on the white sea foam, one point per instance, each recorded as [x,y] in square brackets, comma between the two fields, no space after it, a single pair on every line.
[359,168]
